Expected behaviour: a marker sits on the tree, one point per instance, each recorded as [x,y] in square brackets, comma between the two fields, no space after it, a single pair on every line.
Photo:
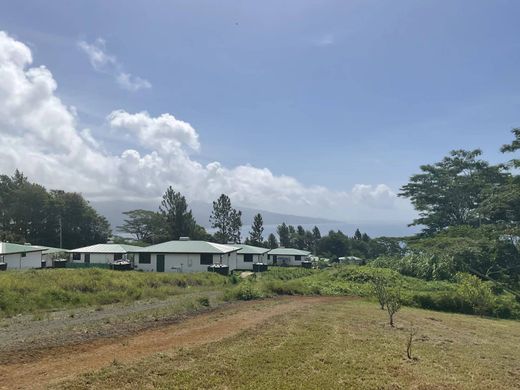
[255,235]
[448,193]
[226,220]
[299,240]
[513,147]
[379,285]
[284,235]
[272,242]
[393,303]
[178,218]
[357,235]
[147,226]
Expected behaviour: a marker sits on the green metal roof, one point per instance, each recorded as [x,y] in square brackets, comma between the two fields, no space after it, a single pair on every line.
[108,248]
[250,249]
[49,250]
[288,252]
[6,248]
[189,246]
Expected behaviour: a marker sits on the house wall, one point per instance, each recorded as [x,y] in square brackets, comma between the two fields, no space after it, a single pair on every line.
[100,258]
[286,260]
[185,262]
[241,264]
[31,260]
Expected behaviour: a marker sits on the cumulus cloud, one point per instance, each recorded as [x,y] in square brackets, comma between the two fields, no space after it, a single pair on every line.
[40,135]
[104,62]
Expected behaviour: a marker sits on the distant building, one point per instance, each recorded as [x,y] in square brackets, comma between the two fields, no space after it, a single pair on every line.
[185,255]
[50,254]
[20,256]
[104,253]
[248,255]
[287,256]
[351,260]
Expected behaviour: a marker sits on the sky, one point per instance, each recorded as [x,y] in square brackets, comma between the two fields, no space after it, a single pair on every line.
[317,108]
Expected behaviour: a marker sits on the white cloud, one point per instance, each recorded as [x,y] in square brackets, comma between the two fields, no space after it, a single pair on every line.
[101,61]
[132,83]
[97,55]
[39,135]
[324,40]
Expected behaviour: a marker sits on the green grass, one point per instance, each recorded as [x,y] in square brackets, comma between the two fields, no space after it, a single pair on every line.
[339,345]
[34,291]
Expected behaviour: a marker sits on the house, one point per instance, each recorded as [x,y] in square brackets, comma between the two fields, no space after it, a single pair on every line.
[248,255]
[351,260]
[287,256]
[20,256]
[185,255]
[104,253]
[50,254]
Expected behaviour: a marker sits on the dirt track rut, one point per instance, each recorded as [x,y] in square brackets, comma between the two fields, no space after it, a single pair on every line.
[68,361]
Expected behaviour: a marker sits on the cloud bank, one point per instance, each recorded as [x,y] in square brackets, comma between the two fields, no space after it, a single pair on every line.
[103,62]
[40,135]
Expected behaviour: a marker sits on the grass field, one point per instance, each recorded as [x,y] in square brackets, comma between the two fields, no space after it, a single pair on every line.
[341,344]
[38,291]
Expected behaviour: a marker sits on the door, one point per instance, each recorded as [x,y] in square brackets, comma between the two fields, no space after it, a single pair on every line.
[160,263]
[87,258]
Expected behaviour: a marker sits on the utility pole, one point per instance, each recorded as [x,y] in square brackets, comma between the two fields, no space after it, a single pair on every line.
[61,235]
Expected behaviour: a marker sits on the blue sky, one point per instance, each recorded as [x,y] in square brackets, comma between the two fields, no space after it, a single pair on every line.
[331,93]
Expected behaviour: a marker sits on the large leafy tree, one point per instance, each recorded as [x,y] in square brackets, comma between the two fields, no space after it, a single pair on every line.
[145,225]
[257,229]
[226,220]
[449,193]
[30,213]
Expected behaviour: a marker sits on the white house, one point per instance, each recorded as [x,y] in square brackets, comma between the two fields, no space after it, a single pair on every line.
[20,256]
[248,255]
[287,256]
[50,253]
[185,255]
[104,253]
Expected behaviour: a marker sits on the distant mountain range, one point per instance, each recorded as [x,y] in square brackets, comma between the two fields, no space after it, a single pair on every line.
[113,211]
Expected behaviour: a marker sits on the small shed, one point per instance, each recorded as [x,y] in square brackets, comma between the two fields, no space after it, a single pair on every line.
[18,256]
[185,255]
[104,253]
[248,255]
[287,256]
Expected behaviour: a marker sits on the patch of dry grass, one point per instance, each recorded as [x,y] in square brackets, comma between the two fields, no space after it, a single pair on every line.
[340,345]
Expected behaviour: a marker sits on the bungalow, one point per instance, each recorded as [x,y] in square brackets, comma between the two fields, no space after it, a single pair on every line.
[20,256]
[50,254]
[287,256]
[104,253]
[248,255]
[185,255]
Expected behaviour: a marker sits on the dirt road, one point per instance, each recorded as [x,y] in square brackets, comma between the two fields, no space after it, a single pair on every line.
[68,361]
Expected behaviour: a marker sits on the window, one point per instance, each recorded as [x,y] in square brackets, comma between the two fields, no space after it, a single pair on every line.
[248,258]
[206,258]
[24,254]
[145,258]
[76,256]
[118,256]
[297,258]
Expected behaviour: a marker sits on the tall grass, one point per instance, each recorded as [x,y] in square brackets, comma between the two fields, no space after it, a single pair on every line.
[41,290]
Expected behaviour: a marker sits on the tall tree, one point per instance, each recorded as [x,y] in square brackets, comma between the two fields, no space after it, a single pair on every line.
[257,229]
[272,242]
[146,226]
[513,147]
[226,220]
[284,235]
[179,219]
[299,240]
[448,193]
